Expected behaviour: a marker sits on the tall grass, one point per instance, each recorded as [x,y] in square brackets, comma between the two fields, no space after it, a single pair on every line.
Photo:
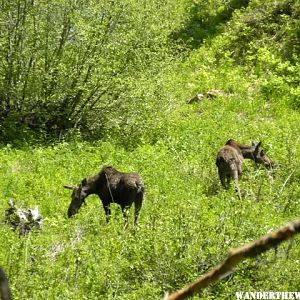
[188,222]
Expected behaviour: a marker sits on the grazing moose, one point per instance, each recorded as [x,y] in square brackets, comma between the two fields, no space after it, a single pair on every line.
[111,186]
[230,160]
[4,288]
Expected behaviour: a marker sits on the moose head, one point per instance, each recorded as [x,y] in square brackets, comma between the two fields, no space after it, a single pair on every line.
[78,196]
[254,152]
[260,157]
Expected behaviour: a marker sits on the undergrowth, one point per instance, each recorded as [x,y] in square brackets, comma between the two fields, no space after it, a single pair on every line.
[188,221]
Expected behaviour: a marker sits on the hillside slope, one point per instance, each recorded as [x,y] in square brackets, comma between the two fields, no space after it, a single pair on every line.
[249,51]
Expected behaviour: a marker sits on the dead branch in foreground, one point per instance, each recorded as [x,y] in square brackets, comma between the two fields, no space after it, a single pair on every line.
[235,256]
[4,288]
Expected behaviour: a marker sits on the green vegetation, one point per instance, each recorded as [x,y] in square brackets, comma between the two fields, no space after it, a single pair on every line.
[69,106]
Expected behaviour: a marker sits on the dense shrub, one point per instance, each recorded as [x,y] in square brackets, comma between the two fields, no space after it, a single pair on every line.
[86,65]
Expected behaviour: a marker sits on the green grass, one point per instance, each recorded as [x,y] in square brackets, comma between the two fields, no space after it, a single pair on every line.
[188,222]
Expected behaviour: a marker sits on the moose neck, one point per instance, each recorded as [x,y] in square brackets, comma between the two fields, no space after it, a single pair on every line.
[94,182]
[90,189]
[247,152]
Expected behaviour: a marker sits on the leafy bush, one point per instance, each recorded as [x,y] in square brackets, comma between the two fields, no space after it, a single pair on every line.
[188,222]
[78,64]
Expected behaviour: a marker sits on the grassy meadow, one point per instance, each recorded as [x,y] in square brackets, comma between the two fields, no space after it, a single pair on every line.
[188,222]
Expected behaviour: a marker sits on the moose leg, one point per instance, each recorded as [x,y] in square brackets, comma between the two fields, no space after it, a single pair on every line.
[228,179]
[125,210]
[107,211]
[222,177]
[237,186]
[239,170]
[137,207]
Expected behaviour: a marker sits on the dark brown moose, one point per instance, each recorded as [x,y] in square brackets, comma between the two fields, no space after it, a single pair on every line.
[230,160]
[111,186]
[4,287]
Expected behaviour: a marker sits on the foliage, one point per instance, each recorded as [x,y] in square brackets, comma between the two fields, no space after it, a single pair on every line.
[264,38]
[129,98]
[77,64]
[205,20]
[266,25]
[188,222]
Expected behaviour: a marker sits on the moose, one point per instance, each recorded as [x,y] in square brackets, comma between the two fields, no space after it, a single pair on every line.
[111,186]
[5,293]
[230,160]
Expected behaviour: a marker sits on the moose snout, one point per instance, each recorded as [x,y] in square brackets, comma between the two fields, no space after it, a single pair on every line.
[72,211]
[271,165]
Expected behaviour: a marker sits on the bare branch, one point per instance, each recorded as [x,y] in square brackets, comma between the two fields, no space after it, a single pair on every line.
[235,256]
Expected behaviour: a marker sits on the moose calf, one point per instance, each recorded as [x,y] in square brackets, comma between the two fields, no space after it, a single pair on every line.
[111,186]
[230,160]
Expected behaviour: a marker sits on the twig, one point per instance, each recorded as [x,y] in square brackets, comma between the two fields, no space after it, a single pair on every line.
[282,188]
[235,256]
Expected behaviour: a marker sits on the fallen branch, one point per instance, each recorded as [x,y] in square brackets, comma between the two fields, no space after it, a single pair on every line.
[211,94]
[22,219]
[235,256]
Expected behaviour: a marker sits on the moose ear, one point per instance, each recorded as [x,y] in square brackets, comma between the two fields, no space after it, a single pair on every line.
[84,182]
[255,144]
[71,187]
[257,148]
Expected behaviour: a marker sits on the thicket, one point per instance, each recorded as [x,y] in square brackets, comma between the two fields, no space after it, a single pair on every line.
[106,70]
[265,39]
[84,65]
[261,38]
[58,84]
